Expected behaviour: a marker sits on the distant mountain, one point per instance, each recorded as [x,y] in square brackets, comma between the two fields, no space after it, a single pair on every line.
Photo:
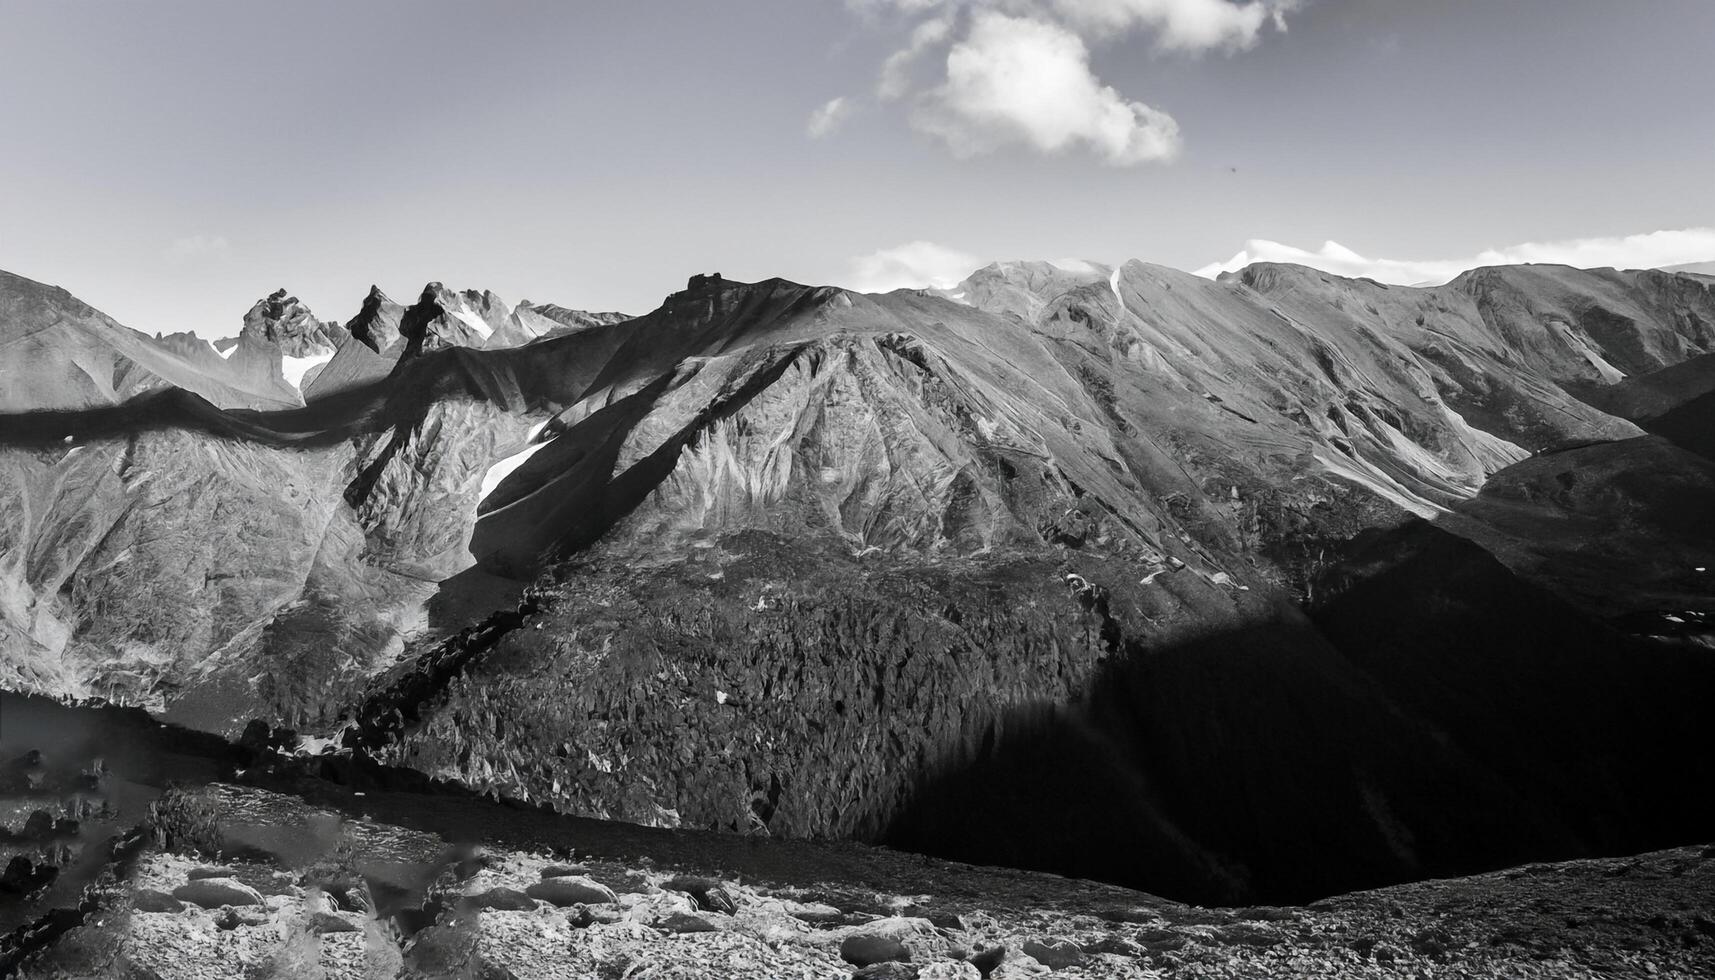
[63,354]
[1698,268]
[794,559]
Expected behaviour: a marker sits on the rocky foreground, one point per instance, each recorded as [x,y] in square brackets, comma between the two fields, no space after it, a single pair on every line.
[233,881]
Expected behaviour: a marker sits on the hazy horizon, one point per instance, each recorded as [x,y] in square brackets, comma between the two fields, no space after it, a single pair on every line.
[172,168]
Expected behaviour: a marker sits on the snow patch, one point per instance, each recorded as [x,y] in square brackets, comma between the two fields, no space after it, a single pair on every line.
[474,322]
[499,471]
[1114,284]
[227,353]
[1075,266]
[294,368]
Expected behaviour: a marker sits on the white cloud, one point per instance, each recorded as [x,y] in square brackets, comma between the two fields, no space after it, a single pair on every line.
[1017,80]
[913,265]
[1181,25]
[193,247]
[1643,251]
[828,118]
[1018,71]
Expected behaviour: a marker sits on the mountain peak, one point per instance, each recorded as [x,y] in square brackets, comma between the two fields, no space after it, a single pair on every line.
[377,322]
[283,320]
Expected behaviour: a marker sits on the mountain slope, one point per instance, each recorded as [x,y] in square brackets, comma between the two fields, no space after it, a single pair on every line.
[800,557]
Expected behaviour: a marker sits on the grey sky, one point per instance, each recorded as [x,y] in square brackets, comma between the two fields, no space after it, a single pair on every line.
[171,162]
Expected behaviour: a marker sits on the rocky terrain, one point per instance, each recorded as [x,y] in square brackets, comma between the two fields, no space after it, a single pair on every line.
[283,874]
[243,882]
[1421,574]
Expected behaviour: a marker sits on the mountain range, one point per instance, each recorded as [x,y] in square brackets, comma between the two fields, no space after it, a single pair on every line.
[1261,587]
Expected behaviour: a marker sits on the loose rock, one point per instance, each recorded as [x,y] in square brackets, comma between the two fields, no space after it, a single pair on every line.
[1055,954]
[503,900]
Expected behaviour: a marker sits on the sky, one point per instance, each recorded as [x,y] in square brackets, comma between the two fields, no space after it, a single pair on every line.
[171,162]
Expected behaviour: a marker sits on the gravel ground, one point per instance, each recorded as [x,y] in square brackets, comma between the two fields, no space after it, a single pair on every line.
[248,884]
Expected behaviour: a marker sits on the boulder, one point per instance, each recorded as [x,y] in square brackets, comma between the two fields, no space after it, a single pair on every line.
[564,891]
[322,923]
[864,950]
[1055,954]
[706,892]
[212,893]
[154,900]
[679,923]
[986,960]
[816,913]
[39,826]
[1018,965]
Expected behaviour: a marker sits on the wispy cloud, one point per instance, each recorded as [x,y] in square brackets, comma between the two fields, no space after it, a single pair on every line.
[1648,250]
[828,117]
[1018,72]
[913,265]
[895,80]
[196,247]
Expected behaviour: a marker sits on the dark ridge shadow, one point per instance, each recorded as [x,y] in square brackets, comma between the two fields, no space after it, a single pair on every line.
[549,375]
[176,409]
[1688,425]
[1439,718]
